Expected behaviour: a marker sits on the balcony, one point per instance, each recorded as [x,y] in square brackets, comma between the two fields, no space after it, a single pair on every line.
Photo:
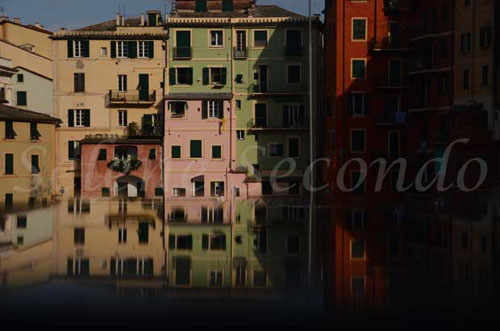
[240,52]
[388,44]
[183,53]
[294,51]
[285,90]
[131,98]
[262,125]
[392,118]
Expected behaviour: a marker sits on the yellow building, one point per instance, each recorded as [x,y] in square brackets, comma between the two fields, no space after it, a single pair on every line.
[27,157]
[106,76]
[33,38]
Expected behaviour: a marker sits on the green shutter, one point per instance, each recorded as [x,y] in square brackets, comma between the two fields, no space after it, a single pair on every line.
[224,76]
[204,242]
[86,48]
[190,76]
[86,117]
[132,49]
[113,49]
[206,76]
[195,149]
[172,76]
[9,164]
[176,152]
[221,107]
[70,48]
[9,130]
[71,150]
[204,109]
[151,48]
[71,118]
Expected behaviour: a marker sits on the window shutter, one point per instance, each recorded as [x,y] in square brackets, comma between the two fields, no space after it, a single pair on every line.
[86,117]
[71,150]
[9,164]
[223,242]
[70,48]
[301,114]
[349,104]
[171,241]
[151,49]
[172,76]
[224,76]
[285,116]
[204,111]
[71,118]
[86,48]
[367,104]
[113,49]
[221,107]
[204,240]
[190,76]
[132,49]
[206,76]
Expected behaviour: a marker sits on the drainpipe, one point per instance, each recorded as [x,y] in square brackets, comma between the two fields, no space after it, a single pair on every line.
[311,146]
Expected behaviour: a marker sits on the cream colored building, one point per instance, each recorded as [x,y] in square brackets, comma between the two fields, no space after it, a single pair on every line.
[33,38]
[106,76]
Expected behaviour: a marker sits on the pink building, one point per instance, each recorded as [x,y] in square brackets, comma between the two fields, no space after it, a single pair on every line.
[199,147]
[121,167]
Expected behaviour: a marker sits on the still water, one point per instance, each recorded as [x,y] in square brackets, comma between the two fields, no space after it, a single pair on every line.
[250,263]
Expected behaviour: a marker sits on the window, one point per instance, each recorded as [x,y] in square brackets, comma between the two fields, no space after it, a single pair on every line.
[177,214]
[238,104]
[122,83]
[358,70]
[178,192]
[9,164]
[216,38]
[357,249]
[195,149]
[9,200]
[217,152]
[443,48]
[217,189]
[214,241]
[275,150]
[78,48]
[152,154]
[105,192]
[214,76]
[104,51]
[35,166]
[465,80]
[293,43]
[159,191]
[293,147]
[122,49]
[79,118]
[227,5]
[216,278]
[181,76]
[22,221]
[358,104]
[214,109]
[22,98]
[73,150]
[201,6]
[293,74]
[143,232]
[465,42]
[293,244]
[20,78]
[260,115]
[240,134]
[34,133]
[79,236]
[182,271]
[9,130]
[178,109]
[181,242]
[176,152]
[79,82]
[485,75]
[394,72]
[359,29]
[122,235]
[122,118]
[259,278]
[260,38]
[357,182]
[358,141]
[485,37]
[143,49]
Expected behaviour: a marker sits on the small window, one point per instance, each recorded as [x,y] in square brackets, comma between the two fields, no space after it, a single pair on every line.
[34,133]
[176,152]
[260,38]
[358,70]
[122,235]
[158,191]
[105,192]
[79,82]
[293,147]
[201,6]
[357,249]
[104,51]
[195,149]
[465,80]
[293,244]
[240,134]
[152,154]
[359,29]
[275,150]
[485,75]
[79,236]
[122,118]
[178,192]
[177,214]
[122,47]
[358,141]
[216,38]
[293,74]
[20,78]
[143,49]
[238,104]
[22,221]
[216,278]
[358,104]
[9,164]
[227,5]
[22,98]
[184,76]
[35,164]
[216,152]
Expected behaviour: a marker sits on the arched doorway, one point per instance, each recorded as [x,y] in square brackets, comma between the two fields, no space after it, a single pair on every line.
[130,187]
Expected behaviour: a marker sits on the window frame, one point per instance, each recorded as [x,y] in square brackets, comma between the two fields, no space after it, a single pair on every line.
[352,68]
[365,19]
[219,43]
[255,39]
[288,73]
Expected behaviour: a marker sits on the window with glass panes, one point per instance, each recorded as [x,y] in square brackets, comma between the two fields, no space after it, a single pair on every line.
[358,70]
[359,29]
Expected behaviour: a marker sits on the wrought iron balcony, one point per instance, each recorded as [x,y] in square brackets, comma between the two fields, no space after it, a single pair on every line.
[135,97]
[240,52]
[183,53]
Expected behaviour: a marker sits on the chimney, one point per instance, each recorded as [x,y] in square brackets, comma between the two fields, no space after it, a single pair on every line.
[123,20]
[17,20]
[117,19]
[37,24]
[142,20]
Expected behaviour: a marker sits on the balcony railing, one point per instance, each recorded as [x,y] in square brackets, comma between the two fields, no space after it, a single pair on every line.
[261,124]
[294,51]
[183,53]
[136,97]
[388,44]
[240,52]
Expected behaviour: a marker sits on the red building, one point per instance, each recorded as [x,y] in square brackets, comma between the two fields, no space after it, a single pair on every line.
[121,167]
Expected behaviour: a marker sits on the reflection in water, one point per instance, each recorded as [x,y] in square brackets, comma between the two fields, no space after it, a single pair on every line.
[421,255]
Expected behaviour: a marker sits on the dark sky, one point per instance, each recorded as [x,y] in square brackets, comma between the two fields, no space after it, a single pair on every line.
[71,14]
